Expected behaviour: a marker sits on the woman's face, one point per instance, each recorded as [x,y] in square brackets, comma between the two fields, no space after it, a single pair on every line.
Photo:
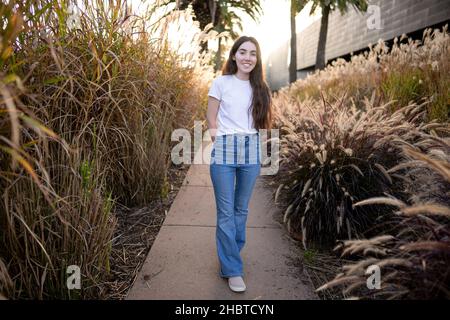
[246,57]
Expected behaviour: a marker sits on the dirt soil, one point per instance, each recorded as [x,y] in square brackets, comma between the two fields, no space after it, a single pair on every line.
[136,231]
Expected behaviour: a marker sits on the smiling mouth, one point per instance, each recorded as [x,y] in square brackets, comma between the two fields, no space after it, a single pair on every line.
[247,65]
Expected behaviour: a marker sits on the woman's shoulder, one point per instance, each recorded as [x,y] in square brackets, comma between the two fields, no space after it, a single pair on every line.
[223,78]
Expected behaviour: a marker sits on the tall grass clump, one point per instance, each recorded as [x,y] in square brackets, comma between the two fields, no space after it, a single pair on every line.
[364,163]
[339,132]
[87,107]
[408,71]
[413,251]
[332,157]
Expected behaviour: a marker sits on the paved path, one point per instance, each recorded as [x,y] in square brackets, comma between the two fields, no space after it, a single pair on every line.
[183,264]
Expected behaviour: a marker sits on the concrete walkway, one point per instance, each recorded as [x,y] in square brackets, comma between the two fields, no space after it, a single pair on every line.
[183,264]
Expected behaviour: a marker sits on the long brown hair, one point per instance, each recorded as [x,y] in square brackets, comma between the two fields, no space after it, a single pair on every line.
[262,101]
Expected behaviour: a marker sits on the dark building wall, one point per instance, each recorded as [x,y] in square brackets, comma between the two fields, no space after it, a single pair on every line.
[350,32]
[277,69]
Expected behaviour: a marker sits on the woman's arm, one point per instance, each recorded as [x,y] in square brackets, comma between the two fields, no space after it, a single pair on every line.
[211,116]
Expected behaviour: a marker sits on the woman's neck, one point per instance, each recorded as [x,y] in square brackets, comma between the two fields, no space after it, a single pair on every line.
[242,76]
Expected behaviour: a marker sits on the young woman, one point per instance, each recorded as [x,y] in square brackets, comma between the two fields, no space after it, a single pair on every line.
[239,105]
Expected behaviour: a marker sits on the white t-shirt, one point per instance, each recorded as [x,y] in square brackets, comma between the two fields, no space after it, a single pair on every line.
[235,112]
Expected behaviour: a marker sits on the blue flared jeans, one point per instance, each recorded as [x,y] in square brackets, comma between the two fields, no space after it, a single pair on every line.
[235,165]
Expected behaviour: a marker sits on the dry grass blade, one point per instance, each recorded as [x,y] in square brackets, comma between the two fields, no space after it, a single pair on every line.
[433,209]
[11,107]
[381,200]
[440,166]
[384,172]
[426,246]
[337,282]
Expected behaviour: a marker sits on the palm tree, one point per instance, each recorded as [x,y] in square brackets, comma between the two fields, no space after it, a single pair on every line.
[205,12]
[327,6]
[296,7]
[218,13]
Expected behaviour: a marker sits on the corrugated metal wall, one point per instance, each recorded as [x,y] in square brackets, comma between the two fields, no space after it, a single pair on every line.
[350,32]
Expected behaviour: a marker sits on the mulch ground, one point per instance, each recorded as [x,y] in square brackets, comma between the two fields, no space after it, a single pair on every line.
[136,231]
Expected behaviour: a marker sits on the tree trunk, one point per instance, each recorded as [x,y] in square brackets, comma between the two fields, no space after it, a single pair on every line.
[320,58]
[218,64]
[212,5]
[293,62]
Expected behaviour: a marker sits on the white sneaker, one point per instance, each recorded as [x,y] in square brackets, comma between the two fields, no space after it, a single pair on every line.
[236,284]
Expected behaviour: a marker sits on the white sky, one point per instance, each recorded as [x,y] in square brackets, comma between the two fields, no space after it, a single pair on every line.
[271,32]
[274,27]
